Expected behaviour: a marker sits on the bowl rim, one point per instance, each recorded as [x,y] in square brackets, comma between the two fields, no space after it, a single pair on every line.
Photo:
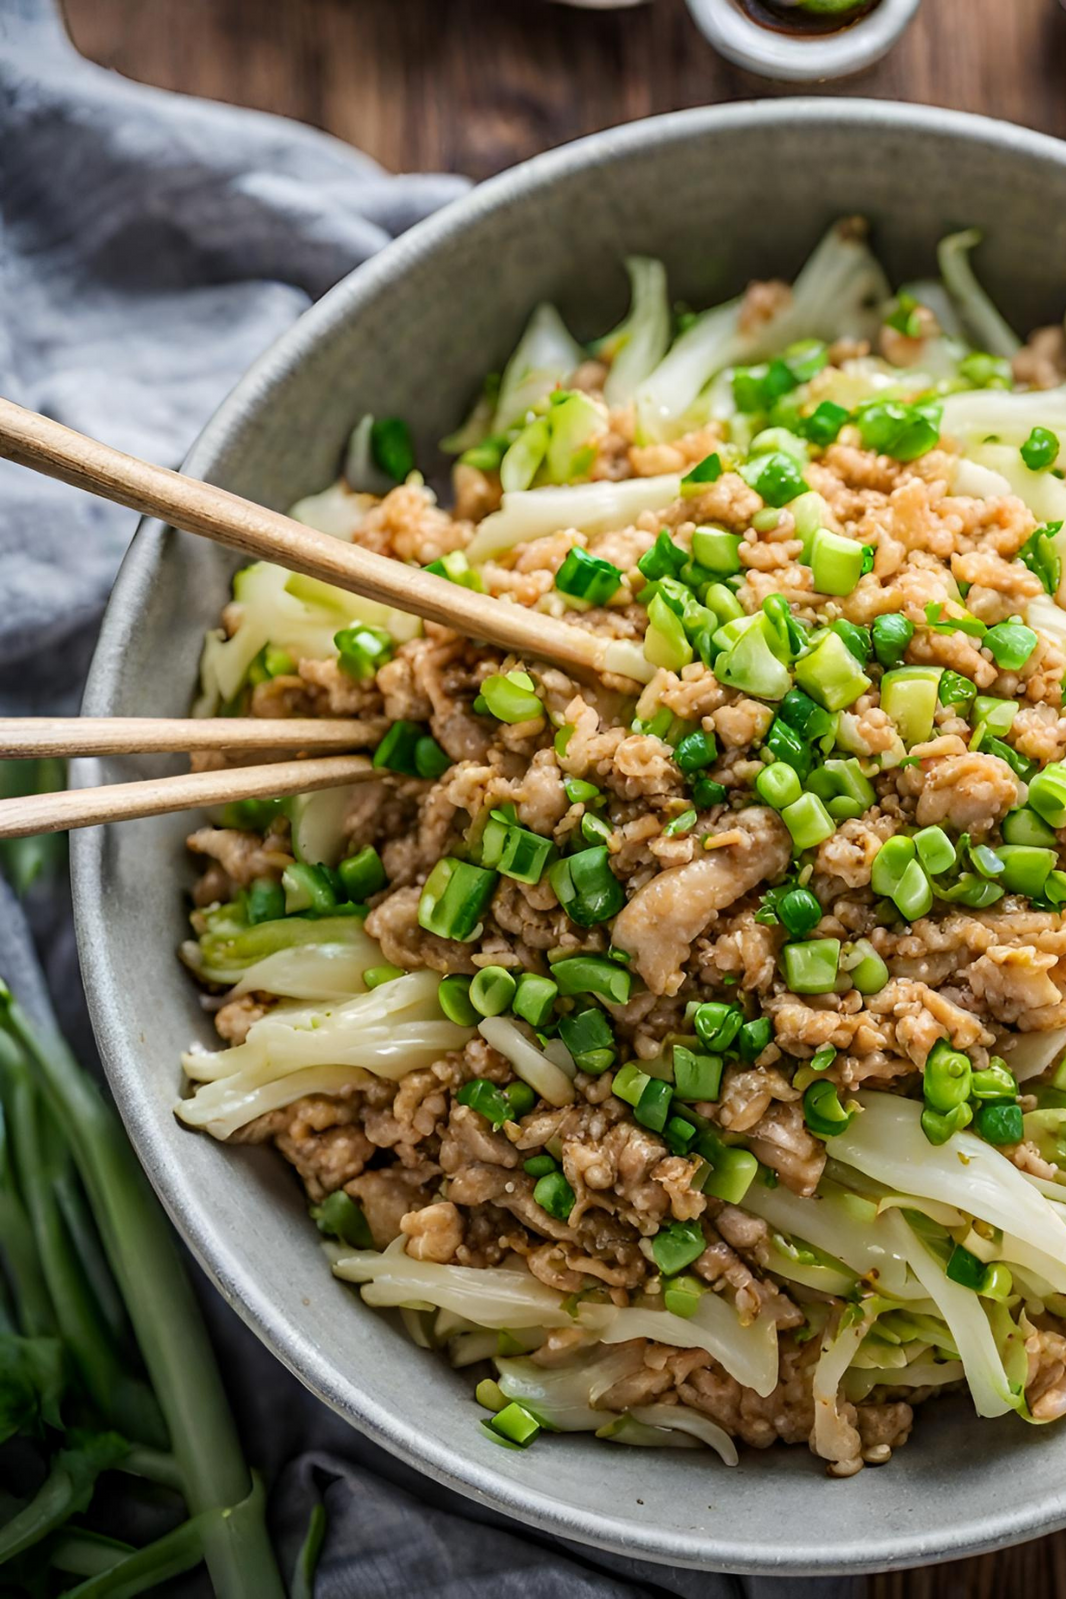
[813,58]
[872,1550]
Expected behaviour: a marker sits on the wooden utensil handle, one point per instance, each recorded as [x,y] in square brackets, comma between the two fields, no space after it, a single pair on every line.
[25,736]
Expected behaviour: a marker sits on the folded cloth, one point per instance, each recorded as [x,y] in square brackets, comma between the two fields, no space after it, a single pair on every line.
[151,246]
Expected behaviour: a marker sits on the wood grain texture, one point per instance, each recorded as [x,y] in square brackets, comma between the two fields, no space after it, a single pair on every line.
[475,85]
[33,737]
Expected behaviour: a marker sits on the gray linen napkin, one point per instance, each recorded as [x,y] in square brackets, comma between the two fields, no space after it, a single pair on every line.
[151,246]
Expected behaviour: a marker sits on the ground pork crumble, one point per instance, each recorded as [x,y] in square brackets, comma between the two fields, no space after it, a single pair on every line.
[693,861]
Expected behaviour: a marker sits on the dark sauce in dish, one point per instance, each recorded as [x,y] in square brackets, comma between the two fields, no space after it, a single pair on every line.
[792,19]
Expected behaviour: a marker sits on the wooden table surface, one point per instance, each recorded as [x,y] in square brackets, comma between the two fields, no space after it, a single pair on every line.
[475,85]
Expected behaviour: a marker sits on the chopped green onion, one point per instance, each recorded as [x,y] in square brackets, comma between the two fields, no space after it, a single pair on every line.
[592,974]
[490,1395]
[307,888]
[811,968]
[362,649]
[514,1423]
[491,990]
[586,887]
[1000,1124]
[525,856]
[456,569]
[993,715]
[777,478]
[902,431]
[1040,450]
[588,577]
[695,751]
[890,863]
[939,1128]
[1011,644]
[966,1269]
[706,793]
[362,874]
[653,1106]
[799,912]
[1019,764]
[665,642]
[396,752]
[808,821]
[823,426]
[629,1083]
[374,976]
[680,824]
[823,1112]
[843,779]
[778,785]
[391,447]
[587,1035]
[1026,868]
[983,371]
[1047,794]
[822,1058]
[534,999]
[522,1099]
[717,1024]
[891,633]
[578,792]
[836,562]
[995,1082]
[677,1245]
[946,1079]
[665,558]
[511,697]
[935,849]
[338,1216]
[954,689]
[539,1166]
[1040,554]
[789,747]
[709,470]
[717,550]
[682,1295]
[454,899]
[554,1194]
[265,901]
[754,1037]
[453,997]
[972,890]
[1024,826]
[805,716]
[938,622]
[430,760]
[856,638]
[913,894]
[831,675]
[696,1077]
[488,1100]
[909,698]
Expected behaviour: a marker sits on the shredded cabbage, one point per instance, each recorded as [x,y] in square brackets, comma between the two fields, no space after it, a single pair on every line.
[543,357]
[638,344]
[563,1397]
[361,471]
[589,507]
[338,510]
[833,1438]
[547,1078]
[682,1418]
[982,321]
[311,971]
[224,953]
[842,1225]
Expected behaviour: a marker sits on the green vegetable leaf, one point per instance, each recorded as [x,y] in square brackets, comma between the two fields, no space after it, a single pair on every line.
[32,1383]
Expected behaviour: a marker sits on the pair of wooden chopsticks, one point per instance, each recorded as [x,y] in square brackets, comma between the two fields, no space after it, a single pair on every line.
[46,446]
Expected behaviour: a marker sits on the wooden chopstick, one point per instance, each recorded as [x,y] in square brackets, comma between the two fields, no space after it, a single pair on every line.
[57,451]
[117,802]
[26,736]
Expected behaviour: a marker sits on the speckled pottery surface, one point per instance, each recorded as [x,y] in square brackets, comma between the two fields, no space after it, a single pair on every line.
[723,195]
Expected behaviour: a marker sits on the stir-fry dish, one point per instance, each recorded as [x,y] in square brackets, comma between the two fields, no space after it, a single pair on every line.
[684,1052]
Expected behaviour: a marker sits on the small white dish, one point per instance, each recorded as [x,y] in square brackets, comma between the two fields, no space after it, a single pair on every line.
[801,58]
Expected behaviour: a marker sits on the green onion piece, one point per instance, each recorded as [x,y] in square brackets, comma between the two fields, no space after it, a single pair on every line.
[890,863]
[749,662]
[972,890]
[935,849]
[664,559]
[374,976]
[1040,555]
[891,634]
[913,894]
[396,752]
[1055,888]
[525,856]
[995,1082]
[665,642]
[986,860]
[391,447]
[679,1135]
[778,785]
[511,697]
[805,716]
[831,675]
[717,1024]
[1024,826]
[454,899]
[586,887]
[1040,450]
[588,577]
[823,1112]
[939,1128]
[338,1216]
[1011,644]
[513,1422]
[836,562]
[490,1395]
[903,431]
[966,1269]
[307,888]
[594,830]
[534,999]
[362,649]
[823,426]
[578,792]
[265,901]
[554,1194]
[456,569]
[823,1058]
[709,470]
[653,1106]
[1026,868]
[938,622]
[808,821]
[539,1166]
[799,912]
[680,824]
[777,478]
[362,874]
[717,550]
[695,751]
[488,1100]
[730,1171]
[522,1099]
[982,371]
[682,1295]
[696,1077]
[811,968]
[491,990]
[909,697]
[789,747]
[591,974]
[1019,764]
[430,760]
[677,1245]
[587,1035]
[955,689]
[946,1078]
[754,1037]
[1047,794]
[998,1283]
[453,997]
[856,638]
[707,793]
[995,715]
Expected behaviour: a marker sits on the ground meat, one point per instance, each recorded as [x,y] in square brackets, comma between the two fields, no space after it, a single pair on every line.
[242,856]
[1041,363]
[970,793]
[233,1020]
[322,1138]
[394,923]
[660,923]
[433,1233]
[386,1198]
[781,1141]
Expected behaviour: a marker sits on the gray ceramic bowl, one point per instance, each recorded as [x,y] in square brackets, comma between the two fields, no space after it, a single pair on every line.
[723,195]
